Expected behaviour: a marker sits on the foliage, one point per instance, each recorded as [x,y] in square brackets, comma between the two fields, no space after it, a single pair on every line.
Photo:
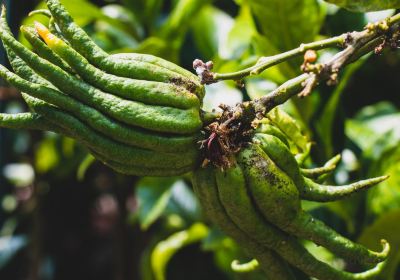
[358,118]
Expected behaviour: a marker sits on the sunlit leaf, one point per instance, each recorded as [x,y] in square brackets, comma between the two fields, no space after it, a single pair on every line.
[82,11]
[180,19]
[159,47]
[145,10]
[183,202]
[153,195]
[288,23]
[326,121]
[239,37]
[118,37]
[375,129]
[385,196]
[290,127]
[47,155]
[124,19]
[210,30]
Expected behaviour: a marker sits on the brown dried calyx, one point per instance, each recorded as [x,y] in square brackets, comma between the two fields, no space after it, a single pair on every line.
[227,135]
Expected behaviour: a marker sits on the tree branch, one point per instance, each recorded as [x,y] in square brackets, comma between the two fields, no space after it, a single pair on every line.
[231,129]
[351,41]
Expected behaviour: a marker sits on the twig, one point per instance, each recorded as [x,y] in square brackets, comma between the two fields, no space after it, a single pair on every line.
[352,41]
[231,130]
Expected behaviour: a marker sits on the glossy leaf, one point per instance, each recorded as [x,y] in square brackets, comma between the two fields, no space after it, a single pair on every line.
[145,10]
[47,155]
[375,129]
[210,30]
[158,47]
[124,19]
[239,37]
[153,195]
[386,196]
[183,202]
[83,11]
[326,121]
[288,23]
[180,19]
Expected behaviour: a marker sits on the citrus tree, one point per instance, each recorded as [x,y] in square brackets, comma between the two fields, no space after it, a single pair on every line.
[264,131]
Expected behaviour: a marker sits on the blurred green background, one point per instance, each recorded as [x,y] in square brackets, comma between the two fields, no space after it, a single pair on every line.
[65,216]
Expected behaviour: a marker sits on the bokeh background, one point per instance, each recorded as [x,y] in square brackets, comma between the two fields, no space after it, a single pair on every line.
[65,216]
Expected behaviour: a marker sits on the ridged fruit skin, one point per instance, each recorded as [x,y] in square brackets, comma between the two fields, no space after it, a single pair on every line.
[145,122]
[259,198]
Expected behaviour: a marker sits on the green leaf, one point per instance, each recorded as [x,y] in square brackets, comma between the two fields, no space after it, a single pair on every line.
[183,202]
[180,19]
[386,196]
[375,129]
[82,11]
[47,155]
[115,37]
[239,37]
[366,5]
[153,195]
[159,47]
[123,19]
[290,127]
[326,121]
[210,30]
[386,227]
[284,25]
[145,10]
[288,23]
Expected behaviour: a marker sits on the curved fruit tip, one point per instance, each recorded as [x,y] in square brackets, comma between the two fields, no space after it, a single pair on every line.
[385,248]
[376,180]
[245,267]
[333,161]
[42,12]
[49,38]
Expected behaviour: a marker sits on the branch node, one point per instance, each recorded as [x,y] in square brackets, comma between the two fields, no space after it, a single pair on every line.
[204,72]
